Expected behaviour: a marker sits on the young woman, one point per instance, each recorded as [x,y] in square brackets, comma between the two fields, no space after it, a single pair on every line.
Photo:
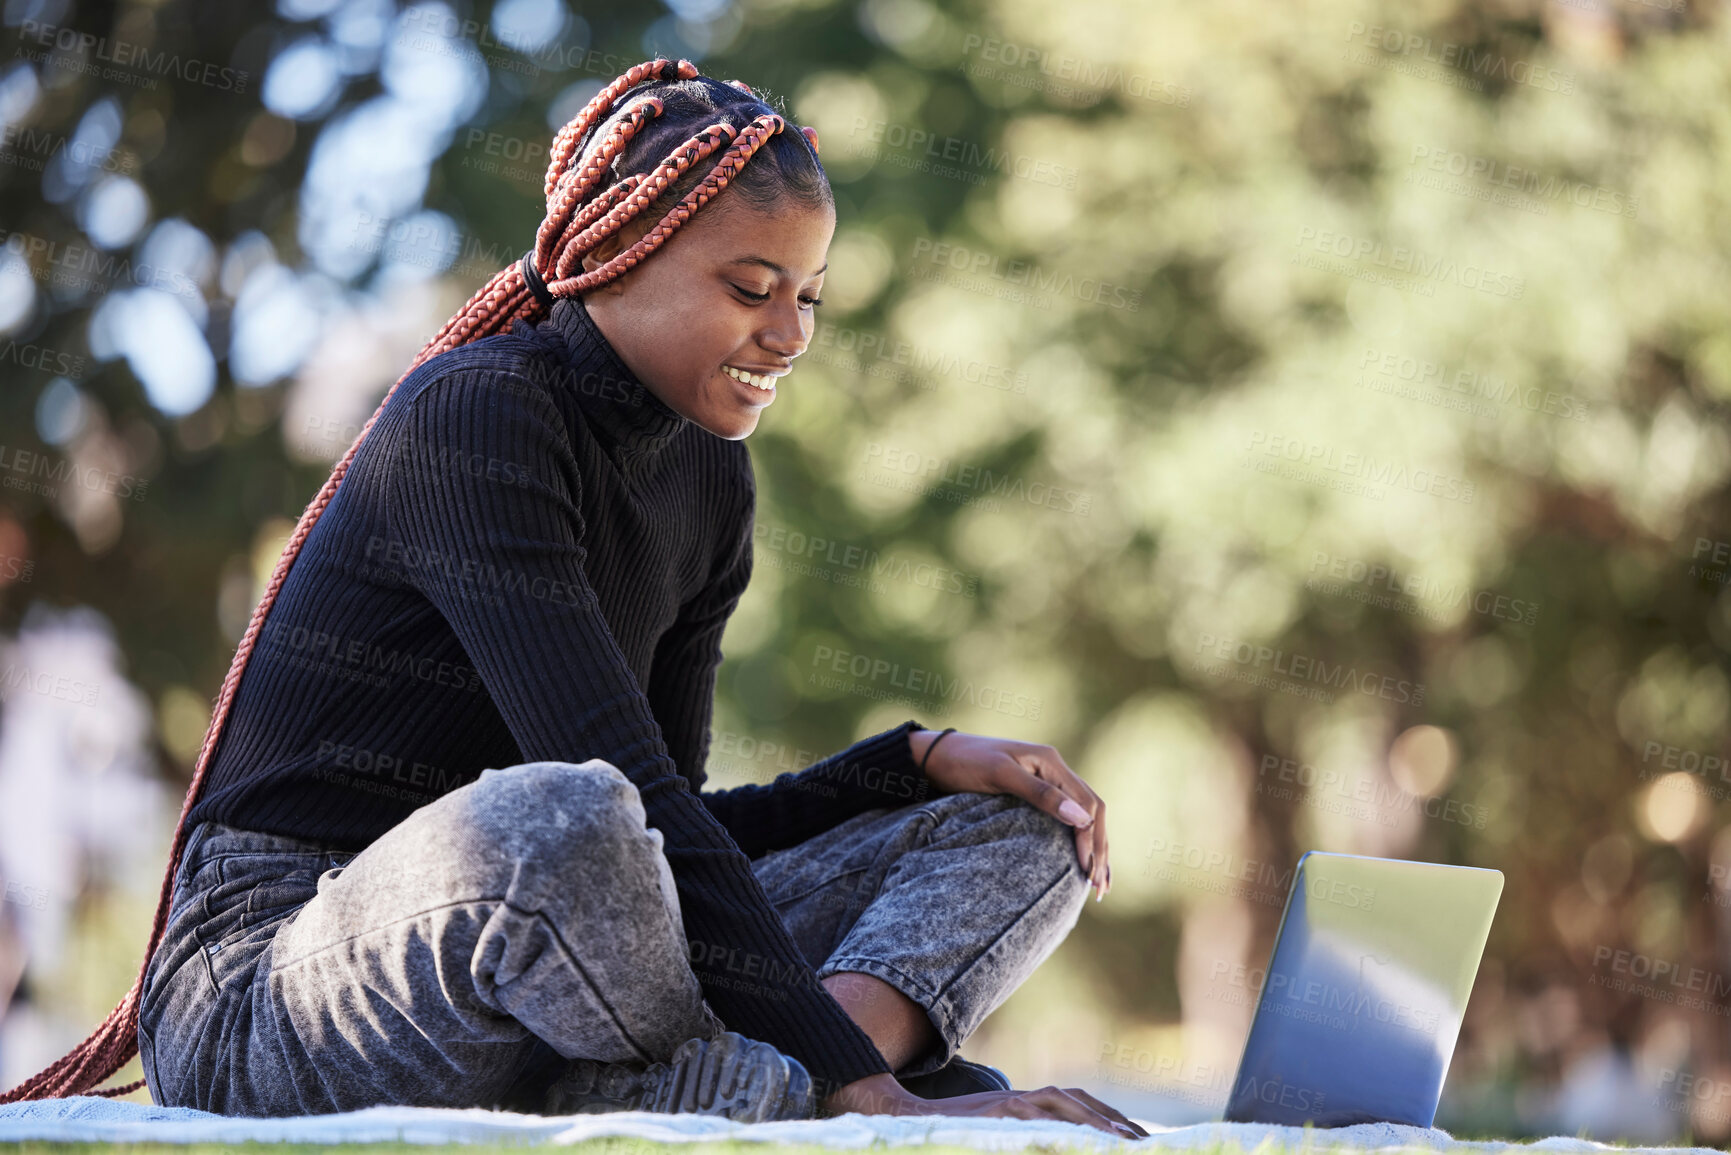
[445,842]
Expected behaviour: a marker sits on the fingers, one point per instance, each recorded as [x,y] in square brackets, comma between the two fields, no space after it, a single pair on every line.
[1022,1108]
[1062,1104]
[1088,855]
[1091,848]
[1110,1112]
[1049,766]
[1102,866]
[1071,1105]
[1048,796]
[1088,849]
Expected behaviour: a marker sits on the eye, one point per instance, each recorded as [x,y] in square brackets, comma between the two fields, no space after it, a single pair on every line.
[759,298]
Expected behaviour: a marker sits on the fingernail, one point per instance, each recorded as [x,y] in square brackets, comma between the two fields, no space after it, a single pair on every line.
[1074,814]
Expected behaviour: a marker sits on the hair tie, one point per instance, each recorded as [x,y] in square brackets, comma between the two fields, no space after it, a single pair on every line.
[933,746]
[810,134]
[532,277]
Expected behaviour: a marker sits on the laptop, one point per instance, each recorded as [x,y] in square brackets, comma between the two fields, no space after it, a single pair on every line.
[1359,1009]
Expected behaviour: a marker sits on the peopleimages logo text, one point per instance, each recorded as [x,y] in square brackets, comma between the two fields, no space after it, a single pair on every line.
[1378,577]
[75,265]
[1077,74]
[125,54]
[979,262]
[929,684]
[932,147]
[1472,383]
[1656,971]
[911,462]
[1477,62]
[1420,264]
[32,149]
[1361,466]
[1303,668]
[53,471]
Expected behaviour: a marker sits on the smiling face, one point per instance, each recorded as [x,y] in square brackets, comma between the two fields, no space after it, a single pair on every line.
[711,319]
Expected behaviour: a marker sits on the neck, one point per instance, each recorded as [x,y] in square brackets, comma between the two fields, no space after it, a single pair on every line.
[632,421]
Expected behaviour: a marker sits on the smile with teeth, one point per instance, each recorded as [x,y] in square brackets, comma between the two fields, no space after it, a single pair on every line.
[757,380]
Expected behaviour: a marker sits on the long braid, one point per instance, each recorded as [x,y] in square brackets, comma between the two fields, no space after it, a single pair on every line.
[578,220]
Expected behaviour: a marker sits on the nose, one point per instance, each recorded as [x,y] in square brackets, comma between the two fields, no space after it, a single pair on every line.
[786,330]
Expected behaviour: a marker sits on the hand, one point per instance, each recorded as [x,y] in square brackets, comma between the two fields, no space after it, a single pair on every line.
[1036,773]
[882,1095]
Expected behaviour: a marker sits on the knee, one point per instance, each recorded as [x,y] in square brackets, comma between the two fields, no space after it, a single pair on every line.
[545,811]
[1024,840]
[1045,843]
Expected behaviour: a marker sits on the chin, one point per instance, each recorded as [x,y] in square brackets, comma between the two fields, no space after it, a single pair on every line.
[732,427]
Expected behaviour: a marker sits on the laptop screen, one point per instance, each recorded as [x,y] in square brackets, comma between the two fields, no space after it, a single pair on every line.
[1361,1004]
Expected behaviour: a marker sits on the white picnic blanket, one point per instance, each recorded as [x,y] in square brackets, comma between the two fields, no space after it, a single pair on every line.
[95,1119]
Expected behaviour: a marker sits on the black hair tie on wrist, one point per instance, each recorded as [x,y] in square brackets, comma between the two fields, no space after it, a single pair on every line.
[532,278]
[928,754]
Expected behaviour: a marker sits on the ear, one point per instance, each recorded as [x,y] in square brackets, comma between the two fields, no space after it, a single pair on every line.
[604,252]
[616,242]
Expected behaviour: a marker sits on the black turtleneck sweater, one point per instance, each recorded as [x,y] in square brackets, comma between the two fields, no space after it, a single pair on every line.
[532,558]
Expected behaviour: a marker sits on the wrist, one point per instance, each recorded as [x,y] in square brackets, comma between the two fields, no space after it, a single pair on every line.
[878,1094]
[919,741]
[925,749]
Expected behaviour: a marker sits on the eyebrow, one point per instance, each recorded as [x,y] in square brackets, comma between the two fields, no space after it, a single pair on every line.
[771,265]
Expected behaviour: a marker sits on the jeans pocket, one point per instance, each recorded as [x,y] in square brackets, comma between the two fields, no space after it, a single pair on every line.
[834,865]
[248,904]
[270,898]
[789,876]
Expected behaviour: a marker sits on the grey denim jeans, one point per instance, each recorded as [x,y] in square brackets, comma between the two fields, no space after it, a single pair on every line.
[453,962]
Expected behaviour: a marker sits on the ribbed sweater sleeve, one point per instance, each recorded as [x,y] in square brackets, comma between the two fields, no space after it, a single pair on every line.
[874,772]
[878,771]
[566,691]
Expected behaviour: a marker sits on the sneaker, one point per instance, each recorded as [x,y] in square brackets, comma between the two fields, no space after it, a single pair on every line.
[956,1077]
[730,1075]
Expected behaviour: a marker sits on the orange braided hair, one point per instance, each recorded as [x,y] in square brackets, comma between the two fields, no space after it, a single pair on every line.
[579,218]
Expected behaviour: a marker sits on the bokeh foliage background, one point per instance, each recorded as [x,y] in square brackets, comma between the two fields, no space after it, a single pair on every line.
[1174,357]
